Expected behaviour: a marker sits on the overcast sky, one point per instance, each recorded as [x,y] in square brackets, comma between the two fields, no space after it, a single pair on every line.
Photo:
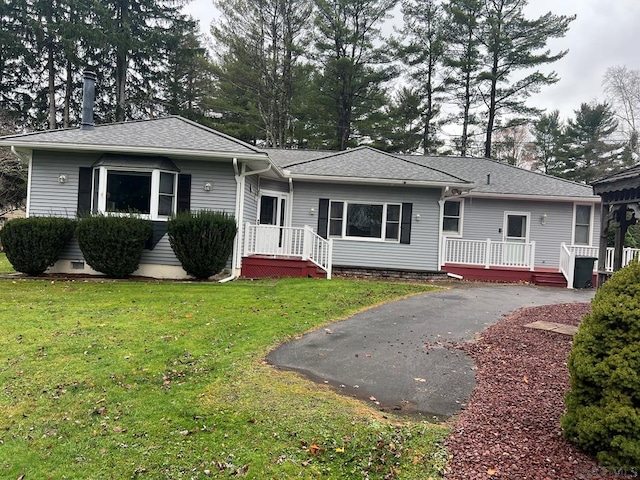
[604,34]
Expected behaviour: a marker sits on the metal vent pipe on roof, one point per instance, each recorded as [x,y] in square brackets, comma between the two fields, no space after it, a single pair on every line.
[88,99]
[488,179]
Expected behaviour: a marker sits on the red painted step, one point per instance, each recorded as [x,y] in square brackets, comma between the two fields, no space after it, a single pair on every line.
[278,267]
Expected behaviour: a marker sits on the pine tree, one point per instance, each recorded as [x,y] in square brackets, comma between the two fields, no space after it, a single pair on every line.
[463,59]
[423,51]
[547,133]
[588,152]
[352,70]
[514,43]
[258,65]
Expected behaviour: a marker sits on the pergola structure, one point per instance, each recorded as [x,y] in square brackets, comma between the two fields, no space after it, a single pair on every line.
[620,194]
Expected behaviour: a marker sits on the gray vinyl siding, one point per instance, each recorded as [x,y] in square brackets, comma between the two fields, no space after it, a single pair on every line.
[274,185]
[251,199]
[48,197]
[484,219]
[420,254]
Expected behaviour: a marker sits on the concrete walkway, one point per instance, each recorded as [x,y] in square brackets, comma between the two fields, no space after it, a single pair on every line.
[393,356]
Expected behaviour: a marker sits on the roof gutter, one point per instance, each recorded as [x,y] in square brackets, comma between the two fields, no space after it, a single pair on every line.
[379,181]
[546,198]
[241,174]
[133,150]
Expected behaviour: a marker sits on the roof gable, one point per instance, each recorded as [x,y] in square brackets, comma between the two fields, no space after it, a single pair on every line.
[167,133]
[497,178]
[362,163]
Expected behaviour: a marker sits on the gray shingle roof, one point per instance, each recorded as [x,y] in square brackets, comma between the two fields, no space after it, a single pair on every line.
[504,179]
[358,163]
[172,132]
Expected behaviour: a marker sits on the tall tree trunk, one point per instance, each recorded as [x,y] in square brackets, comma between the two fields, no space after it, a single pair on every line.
[51,70]
[67,95]
[492,106]
[121,61]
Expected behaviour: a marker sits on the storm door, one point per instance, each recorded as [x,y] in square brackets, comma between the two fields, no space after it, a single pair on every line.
[516,236]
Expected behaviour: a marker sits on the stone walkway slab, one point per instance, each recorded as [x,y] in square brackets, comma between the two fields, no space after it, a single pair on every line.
[554,327]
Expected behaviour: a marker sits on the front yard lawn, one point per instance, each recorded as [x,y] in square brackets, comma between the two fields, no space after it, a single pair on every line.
[5,266]
[112,379]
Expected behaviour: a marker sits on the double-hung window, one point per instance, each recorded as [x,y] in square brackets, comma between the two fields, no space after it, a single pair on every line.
[582,225]
[376,221]
[123,185]
[452,218]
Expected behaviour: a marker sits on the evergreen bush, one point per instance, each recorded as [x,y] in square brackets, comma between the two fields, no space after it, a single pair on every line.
[113,244]
[603,404]
[33,244]
[202,241]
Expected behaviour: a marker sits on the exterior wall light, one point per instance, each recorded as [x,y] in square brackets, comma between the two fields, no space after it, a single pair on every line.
[312,211]
[418,217]
[62,178]
[207,187]
[543,219]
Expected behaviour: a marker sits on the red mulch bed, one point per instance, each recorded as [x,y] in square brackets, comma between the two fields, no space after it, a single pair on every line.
[511,426]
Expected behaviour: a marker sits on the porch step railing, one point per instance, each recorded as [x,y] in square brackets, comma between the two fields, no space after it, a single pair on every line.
[568,254]
[295,242]
[489,253]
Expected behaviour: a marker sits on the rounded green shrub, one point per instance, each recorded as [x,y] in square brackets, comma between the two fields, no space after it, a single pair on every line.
[202,241]
[33,244]
[113,244]
[603,404]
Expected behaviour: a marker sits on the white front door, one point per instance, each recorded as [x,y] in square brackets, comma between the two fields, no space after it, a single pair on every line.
[272,214]
[516,234]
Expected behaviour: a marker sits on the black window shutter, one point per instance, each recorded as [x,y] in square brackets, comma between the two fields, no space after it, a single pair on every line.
[323,217]
[405,226]
[184,192]
[84,190]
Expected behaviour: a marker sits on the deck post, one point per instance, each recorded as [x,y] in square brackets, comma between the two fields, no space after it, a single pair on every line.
[246,234]
[306,243]
[330,259]
[532,257]
[487,255]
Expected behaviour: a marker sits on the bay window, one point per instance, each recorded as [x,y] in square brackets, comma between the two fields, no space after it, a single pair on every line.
[144,186]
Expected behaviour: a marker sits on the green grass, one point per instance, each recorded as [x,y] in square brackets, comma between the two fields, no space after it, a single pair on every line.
[5,266]
[166,380]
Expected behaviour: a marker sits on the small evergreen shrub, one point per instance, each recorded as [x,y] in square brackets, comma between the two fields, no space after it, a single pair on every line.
[603,404]
[33,244]
[202,241]
[113,244]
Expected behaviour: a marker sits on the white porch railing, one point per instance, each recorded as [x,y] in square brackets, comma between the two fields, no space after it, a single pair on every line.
[302,243]
[488,253]
[568,254]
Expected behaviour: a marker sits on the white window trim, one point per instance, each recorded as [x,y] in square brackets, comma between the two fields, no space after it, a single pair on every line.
[382,239]
[520,214]
[573,224]
[451,233]
[279,195]
[101,208]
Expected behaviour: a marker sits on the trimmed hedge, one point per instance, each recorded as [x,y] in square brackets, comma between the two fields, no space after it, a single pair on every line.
[202,241]
[34,244]
[603,405]
[113,244]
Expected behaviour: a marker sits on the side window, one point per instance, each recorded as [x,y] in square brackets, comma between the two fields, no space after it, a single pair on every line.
[582,226]
[336,215]
[452,218]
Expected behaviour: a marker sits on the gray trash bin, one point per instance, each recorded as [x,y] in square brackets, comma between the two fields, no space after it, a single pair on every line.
[583,272]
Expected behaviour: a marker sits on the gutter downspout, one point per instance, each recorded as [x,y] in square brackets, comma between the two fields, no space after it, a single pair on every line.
[29,161]
[240,175]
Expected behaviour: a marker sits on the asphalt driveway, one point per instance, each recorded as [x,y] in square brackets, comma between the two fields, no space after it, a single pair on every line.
[395,355]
